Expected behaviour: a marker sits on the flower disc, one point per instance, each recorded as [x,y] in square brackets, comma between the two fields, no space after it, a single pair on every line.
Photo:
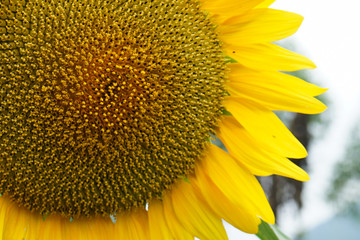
[104,104]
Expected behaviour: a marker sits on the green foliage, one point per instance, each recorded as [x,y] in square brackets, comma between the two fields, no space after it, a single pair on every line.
[345,189]
[270,232]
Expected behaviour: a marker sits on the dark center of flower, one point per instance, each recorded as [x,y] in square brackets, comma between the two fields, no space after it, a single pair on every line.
[104,104]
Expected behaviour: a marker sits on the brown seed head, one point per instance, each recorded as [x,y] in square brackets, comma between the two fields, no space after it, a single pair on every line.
[104,104]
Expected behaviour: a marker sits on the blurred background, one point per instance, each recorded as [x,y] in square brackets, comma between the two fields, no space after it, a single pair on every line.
[328,206]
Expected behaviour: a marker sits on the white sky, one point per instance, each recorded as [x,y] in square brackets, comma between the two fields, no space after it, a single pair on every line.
[330,36]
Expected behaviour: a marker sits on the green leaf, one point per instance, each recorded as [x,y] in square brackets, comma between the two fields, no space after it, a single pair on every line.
[270,232]
[226,113]
[44,216]
[186,179]
[230,60]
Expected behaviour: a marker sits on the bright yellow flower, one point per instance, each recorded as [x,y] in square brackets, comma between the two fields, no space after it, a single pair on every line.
[107,108]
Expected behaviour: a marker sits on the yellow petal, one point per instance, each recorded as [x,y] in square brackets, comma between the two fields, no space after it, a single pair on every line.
[157,222]
[3,209]
[235,214]
[17,223]
[96,227]
[265,4]
[240,74]
[259,26]
[52,228]
[270,91]
[57,227]
[236,183]
[176,228]
[268,57]
[14,224]
[194,215]
[277,99]
[248,152]
[132,225]
[265,127]
[225,9]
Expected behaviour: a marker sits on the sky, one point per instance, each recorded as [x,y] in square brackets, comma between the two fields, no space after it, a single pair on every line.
[330,36]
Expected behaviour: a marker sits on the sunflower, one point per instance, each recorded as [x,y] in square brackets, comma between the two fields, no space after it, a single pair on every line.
[108,109]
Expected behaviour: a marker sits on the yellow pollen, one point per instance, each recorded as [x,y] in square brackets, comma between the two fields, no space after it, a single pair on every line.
[104,105]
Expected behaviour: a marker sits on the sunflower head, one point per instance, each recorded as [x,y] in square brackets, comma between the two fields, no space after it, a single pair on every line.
[104,105]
